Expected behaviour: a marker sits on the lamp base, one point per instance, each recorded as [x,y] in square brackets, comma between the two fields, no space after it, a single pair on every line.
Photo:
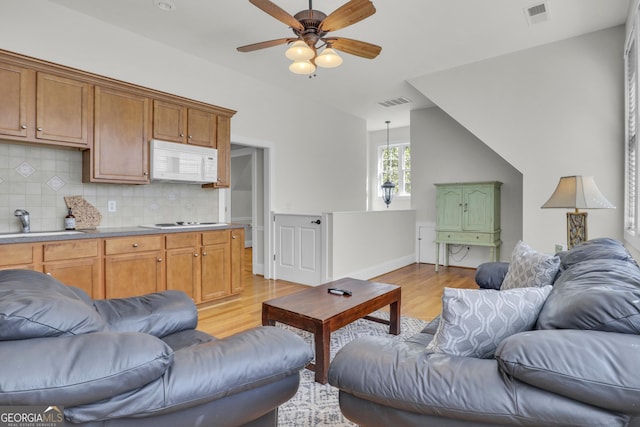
[576,228]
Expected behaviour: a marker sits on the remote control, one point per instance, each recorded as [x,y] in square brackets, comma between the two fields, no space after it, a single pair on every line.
[336,291]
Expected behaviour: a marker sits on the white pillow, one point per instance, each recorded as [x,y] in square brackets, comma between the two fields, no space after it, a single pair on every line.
[530,268]
[475,321]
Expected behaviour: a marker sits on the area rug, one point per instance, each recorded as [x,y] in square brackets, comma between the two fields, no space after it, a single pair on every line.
[316,404]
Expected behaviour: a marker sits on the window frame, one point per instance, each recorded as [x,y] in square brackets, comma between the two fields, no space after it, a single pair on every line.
[402,169]
[631,231]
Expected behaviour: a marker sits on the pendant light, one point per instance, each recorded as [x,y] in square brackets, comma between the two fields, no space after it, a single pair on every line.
[388,187]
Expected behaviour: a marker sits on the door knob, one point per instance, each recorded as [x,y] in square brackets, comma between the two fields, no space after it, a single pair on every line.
[317,221]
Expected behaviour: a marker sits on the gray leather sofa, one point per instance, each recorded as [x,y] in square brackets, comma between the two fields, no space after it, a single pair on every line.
[137,361]
[579,366]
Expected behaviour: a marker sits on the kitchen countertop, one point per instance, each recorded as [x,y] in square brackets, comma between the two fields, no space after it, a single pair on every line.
[109,232]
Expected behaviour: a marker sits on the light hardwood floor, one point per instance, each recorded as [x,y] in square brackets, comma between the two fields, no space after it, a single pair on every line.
[421,293]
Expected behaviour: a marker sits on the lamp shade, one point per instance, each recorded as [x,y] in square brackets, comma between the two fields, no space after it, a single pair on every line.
[578,192]
[302,67]
[299,51]
[328,58]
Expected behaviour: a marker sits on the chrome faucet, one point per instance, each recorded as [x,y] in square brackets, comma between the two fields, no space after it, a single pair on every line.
[24,219]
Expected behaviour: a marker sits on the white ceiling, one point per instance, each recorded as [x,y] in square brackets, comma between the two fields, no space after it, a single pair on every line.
[418,37]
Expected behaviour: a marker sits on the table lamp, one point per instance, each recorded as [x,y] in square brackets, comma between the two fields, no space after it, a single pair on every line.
[577,192]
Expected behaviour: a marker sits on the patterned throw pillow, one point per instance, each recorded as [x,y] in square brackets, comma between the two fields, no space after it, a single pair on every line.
[474,321]
[530,268]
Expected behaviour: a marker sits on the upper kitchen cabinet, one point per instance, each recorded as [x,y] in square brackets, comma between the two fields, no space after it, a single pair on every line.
[121,133]
[45,108]
[179,123]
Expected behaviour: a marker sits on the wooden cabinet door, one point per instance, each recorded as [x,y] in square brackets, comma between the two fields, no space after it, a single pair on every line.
[19,255]
[183,268]
[81,273]
[64,110]
[133,274]
[169,121]
[14,97]
[237,259]
[121,146]
[201,128]
[224,152]
[449,208]
[477,208]
[215,279]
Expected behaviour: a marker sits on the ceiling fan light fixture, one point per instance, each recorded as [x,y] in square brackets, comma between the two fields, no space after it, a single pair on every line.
[302,67]
[299,51]
[329,58]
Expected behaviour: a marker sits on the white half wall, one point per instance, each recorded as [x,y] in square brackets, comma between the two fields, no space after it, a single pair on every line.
[550,111]
[368,244]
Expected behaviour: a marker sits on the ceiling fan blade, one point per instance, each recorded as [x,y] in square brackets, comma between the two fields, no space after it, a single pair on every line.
[278,13]
[354,47]
[347,14]
[263,45]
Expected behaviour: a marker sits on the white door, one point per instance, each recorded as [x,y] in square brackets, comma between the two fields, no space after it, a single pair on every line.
[298,248]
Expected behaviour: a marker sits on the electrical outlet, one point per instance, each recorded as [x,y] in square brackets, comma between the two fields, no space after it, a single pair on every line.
[111,206]
[560,247]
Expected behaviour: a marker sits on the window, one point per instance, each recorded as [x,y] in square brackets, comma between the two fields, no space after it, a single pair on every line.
[398,161]
[631,140]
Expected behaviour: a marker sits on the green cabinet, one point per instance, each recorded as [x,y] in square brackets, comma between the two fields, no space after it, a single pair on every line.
[468,213]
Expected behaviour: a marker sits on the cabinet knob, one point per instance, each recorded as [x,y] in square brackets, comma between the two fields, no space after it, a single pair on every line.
[234,236]
[181,135]
[23,127]
[190,136]
[204,254]
[195,255]
[39,129]
[159,259]
[135,245]
[145,173]
[48,274]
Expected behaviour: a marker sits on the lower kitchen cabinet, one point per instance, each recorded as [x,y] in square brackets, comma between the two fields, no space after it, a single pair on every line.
[183,263]
[133,266]
[237,259]
[216,265]
[20,256]
[76,263]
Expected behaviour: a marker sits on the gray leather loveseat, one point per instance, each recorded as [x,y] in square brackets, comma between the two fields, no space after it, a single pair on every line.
[577,365]
[137,361]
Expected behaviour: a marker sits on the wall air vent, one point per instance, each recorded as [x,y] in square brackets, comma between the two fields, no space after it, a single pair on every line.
[395,101]
[537,13]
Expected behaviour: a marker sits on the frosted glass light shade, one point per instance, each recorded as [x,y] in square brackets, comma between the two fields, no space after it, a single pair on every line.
[579,192]
[299,51]
[302,67]
[328,58]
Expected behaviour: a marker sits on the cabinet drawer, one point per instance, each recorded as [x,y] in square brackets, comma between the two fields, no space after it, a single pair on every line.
[16,254]
[132,244]
[461,237]
[70,250]
[181,240]
[215,237]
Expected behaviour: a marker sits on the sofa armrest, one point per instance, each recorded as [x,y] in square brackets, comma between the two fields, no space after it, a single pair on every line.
[595,367]
[158,314]
[490,275]
[402,375]
[209,371]
[75,370]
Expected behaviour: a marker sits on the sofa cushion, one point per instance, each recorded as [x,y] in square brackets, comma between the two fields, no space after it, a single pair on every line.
[599,368]
[94,367]
[35,305]
[474,322]
[602,294]
[529,267]
[602,248]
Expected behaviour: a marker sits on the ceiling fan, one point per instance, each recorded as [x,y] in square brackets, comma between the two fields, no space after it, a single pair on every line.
[311,28]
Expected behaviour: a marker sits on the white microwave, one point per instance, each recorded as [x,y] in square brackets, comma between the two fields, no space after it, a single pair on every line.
[175,162]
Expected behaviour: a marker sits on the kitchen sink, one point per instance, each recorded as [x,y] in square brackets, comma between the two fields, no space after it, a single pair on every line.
[38,234]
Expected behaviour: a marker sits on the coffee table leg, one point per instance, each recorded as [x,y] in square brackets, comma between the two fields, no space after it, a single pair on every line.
[322,338]
[394,318]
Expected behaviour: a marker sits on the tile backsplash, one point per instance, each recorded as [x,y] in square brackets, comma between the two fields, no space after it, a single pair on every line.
[38,178]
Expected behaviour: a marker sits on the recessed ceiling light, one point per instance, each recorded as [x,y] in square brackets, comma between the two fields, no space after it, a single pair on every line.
[165,5]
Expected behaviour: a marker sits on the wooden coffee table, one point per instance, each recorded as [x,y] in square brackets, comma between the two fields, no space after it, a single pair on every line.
[319,312]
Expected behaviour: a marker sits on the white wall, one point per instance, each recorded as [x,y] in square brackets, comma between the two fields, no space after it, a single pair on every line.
[47,31]
[368,244]
[444,151]
[550,111]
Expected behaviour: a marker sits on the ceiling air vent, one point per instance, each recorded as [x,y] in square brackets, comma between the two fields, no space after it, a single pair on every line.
[395,101]
[537,13]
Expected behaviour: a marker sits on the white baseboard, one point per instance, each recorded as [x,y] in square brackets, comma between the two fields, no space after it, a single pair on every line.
[380,269]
